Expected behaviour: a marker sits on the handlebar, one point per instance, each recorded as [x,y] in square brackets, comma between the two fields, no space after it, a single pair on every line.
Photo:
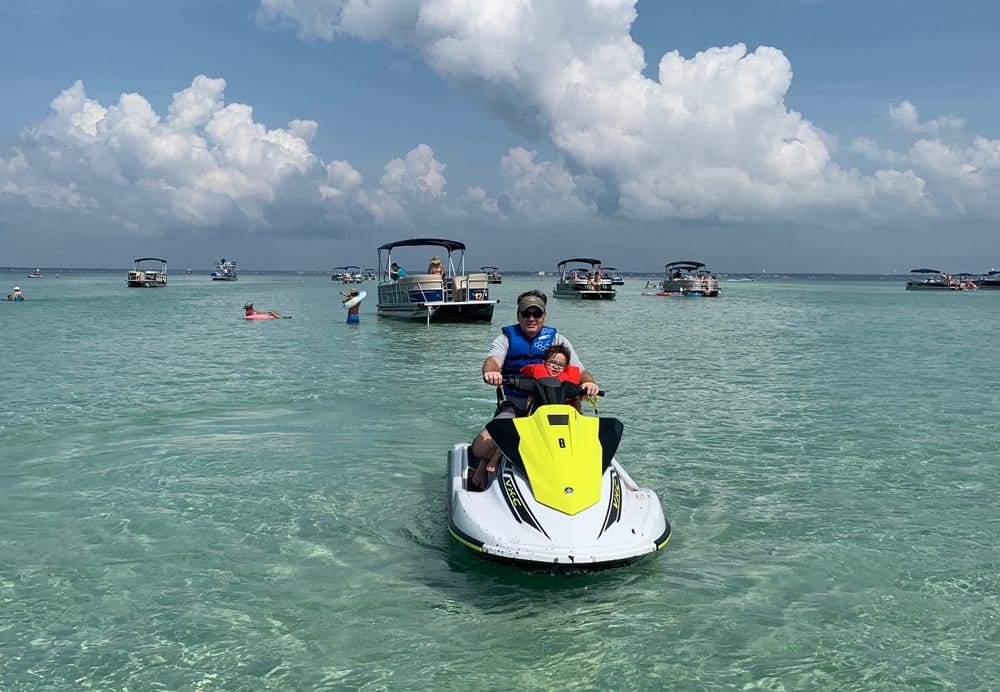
[549,390]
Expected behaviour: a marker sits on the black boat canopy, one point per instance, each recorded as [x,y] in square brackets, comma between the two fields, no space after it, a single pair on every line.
[488,269]
[449,245]
[351,266]
[924,271]
[684,264]
[149,259]
[585,260]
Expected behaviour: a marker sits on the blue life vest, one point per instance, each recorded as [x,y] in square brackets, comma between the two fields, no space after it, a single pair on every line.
[521,352]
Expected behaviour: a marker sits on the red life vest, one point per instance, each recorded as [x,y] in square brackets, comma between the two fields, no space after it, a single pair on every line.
[537,370]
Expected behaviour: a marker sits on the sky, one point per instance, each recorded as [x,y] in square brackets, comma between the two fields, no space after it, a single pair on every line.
[753,135]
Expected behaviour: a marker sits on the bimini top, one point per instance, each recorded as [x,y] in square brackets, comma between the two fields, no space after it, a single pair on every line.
[449,245]
[150,259]
[684,264]
[489,269]
[924,271]
[585,260]
[351,266]
[610,269]
[992,273]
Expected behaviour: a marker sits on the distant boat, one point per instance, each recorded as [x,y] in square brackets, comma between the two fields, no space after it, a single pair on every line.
[225,270]
[688,279]
[616,278]
[37,274]
[926,279]
[493,274]
[582,278]
[990,281]
[140,277]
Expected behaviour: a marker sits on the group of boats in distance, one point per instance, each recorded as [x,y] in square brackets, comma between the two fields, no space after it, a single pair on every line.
[926,279]
[352,274]
[151,272]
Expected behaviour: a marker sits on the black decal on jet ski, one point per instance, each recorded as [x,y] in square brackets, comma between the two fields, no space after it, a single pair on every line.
[614,512]
[517,505]
[505,435]
[558,419]
[610,435]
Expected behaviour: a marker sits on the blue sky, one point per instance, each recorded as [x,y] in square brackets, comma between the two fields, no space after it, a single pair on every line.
[301,134]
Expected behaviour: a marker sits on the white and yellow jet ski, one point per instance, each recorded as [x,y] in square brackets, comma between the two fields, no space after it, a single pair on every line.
[558,497]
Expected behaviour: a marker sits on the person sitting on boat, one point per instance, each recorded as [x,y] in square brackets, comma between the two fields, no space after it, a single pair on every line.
[396,272]
[17,295]
[250,311]
[520,344]
[435,267]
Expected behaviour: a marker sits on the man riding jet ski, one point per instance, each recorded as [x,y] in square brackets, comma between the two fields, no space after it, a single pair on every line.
[559,497]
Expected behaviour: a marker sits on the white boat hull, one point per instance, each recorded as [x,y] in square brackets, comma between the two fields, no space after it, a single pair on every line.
[505,522]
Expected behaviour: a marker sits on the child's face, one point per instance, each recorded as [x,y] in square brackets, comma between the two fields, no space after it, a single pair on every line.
[555,364]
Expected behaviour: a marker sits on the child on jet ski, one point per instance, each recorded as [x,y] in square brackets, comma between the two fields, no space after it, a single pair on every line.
[522,344]
[555,363]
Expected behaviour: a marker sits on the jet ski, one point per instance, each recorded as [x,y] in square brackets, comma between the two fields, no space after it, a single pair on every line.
[559,498]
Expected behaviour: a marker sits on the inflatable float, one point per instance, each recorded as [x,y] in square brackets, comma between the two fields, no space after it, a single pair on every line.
[261,316]
[355,300]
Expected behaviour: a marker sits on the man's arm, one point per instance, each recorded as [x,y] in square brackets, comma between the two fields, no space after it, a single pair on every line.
[491,371]
[494,361]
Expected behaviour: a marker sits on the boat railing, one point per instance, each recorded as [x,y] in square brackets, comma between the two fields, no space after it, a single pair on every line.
[413,288]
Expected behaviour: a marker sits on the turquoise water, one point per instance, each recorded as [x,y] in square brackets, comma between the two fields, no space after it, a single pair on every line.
[192,501]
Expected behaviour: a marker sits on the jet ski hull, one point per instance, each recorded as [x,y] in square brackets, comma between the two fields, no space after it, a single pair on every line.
[507,523]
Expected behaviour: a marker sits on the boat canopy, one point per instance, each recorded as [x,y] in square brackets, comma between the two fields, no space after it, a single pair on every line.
[149,259]
[684,264]
[584,260]
[449,245]
[489,269]
[610,269]
[925,271]
[992,273]
[351,266]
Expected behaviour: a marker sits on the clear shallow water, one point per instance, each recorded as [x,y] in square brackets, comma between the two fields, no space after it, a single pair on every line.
[188,500]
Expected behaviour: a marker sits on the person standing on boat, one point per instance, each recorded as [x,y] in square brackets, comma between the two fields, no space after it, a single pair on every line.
[520,344]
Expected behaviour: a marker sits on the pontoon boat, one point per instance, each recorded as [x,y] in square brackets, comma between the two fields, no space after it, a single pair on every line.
[225,270]
[582,278]
[453,297]
[688,279]
[142,277]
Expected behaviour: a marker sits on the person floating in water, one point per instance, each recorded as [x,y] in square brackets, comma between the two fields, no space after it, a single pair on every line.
[17,296]
[352,312]
[250,311]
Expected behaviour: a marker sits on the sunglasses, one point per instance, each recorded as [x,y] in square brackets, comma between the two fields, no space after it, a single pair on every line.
[537,314]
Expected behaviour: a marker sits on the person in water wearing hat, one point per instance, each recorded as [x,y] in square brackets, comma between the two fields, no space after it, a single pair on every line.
[352,312]
[17,295]
[435,267]
[248,308]
[520,344]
